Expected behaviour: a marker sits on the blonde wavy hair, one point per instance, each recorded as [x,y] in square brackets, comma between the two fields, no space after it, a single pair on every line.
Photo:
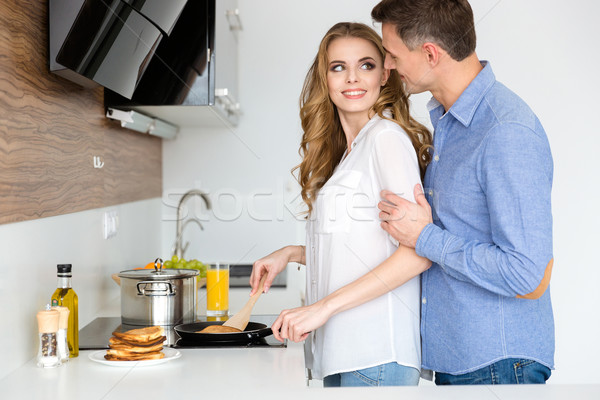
[323,142]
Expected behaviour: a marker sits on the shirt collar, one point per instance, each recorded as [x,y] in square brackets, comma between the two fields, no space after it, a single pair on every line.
[464,108]
[387,113]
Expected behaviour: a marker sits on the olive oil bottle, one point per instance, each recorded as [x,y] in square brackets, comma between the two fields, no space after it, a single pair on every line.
[65,296]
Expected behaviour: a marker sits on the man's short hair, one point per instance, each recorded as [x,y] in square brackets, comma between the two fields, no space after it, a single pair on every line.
[447,23]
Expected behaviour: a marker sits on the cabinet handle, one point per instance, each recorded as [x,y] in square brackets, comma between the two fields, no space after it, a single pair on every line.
[229,104]
[233,18]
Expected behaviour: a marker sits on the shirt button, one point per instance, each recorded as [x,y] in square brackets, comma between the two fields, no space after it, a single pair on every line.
[424,301]
[430,192]
[436,158]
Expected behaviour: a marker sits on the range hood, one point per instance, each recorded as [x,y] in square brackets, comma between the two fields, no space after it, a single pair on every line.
[154,57]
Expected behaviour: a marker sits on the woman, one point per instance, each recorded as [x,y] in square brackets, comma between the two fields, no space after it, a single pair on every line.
[358,140]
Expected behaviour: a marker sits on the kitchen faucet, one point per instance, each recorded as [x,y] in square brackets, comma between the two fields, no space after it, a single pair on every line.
[178,248]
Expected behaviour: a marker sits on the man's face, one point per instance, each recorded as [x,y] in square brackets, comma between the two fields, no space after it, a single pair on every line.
[411,64]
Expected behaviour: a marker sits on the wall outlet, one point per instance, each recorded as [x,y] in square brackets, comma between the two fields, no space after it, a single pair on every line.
[110,224]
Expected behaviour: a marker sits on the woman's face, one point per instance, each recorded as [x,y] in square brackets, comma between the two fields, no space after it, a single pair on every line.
[355,75]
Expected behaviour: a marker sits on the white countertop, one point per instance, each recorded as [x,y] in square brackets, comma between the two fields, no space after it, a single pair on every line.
[234,370]
[253,373]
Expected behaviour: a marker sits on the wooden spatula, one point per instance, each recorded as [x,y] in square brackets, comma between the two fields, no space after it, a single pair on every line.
[240,320]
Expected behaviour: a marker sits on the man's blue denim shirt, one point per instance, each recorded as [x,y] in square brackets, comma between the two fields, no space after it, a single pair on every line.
[489,187]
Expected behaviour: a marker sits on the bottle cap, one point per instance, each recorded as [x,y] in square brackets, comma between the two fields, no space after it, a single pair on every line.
[63,320]
[64,270]
[48,321]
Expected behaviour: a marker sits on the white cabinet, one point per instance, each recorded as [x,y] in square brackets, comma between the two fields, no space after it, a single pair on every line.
[228,24]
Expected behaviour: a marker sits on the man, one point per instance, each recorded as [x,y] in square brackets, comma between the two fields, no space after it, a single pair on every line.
[486,314]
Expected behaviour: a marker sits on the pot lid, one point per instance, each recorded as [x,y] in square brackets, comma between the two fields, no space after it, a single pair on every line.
[154,274]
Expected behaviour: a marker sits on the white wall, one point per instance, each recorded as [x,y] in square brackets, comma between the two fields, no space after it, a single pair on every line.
[545,50]
[30,251]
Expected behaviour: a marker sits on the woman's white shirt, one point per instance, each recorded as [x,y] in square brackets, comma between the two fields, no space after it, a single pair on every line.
[345,241]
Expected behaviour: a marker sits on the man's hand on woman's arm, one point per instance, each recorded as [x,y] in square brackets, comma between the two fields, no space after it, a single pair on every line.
[403,219]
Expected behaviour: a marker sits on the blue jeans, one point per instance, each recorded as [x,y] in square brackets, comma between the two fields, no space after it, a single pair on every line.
[504,372]
[391,374]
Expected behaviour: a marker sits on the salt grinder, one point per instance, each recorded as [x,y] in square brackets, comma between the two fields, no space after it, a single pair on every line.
[61,335]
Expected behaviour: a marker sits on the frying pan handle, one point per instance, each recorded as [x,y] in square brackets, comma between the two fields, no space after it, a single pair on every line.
[253,335]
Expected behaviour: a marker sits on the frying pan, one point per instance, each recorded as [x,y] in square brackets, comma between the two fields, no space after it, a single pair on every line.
[253,332]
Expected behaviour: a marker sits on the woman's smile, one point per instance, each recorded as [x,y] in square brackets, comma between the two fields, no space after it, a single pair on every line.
[353,94]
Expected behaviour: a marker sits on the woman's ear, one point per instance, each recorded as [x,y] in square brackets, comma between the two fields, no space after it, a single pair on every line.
[385,77]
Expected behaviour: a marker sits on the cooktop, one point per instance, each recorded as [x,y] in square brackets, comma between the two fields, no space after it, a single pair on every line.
[95,335]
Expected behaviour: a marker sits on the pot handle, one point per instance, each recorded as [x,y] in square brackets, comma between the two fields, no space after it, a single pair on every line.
[167,290]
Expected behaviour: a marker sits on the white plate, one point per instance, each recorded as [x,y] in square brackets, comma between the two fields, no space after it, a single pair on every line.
[170,354]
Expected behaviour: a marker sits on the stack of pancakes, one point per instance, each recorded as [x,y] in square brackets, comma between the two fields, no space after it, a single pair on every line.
[136,344]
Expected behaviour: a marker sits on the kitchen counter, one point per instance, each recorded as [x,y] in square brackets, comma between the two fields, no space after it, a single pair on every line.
[254,373]
[234,370]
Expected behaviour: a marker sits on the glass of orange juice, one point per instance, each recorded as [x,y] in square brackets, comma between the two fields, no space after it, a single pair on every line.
[217,289]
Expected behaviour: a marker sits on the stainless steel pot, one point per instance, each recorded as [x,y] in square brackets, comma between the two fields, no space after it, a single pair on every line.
[158,297]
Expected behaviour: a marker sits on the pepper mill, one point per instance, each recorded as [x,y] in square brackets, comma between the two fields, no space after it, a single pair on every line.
[48,345]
